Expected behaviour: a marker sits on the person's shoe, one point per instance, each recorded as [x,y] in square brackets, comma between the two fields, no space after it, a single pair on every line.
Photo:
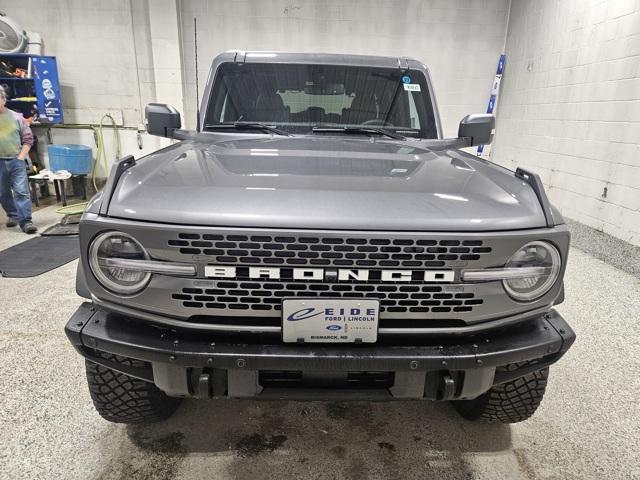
[11,222]
[29,228]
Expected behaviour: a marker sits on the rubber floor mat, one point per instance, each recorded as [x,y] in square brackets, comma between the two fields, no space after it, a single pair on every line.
[38,255]
[69,225]
[61,229]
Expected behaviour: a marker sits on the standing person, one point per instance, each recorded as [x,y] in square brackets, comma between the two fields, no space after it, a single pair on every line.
[15,142]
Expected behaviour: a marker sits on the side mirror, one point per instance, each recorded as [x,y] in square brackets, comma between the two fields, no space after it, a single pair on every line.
[161,119]
[477,129]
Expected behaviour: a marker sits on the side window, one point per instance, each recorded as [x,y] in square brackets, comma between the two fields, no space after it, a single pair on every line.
[218,106]
[413,113]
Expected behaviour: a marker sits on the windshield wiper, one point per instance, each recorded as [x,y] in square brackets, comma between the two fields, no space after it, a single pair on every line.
[359,130]
[247,126]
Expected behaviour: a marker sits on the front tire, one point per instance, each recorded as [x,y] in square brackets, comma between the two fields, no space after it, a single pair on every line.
[510,402]
[120,398]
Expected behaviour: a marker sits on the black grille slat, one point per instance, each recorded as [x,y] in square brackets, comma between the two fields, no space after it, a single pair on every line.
[320,261]
[285,254]
[295,261]
[178,243]
[285,239]
[247,297]
[472,243]
[192,290]
[274,261]
[258,238]
[201,244]
[273,246]
[265,295]
[180,296]
[248,245]
[297,246]
[343,263]
[213,251]
[189,236]
[238,253]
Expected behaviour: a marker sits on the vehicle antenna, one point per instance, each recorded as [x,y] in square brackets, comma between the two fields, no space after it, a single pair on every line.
[195,44]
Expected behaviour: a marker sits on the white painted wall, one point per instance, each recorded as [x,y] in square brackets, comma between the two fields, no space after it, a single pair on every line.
[570,107]
[460,40]
[116,56]
[570,96]
[105,65]
[166,54]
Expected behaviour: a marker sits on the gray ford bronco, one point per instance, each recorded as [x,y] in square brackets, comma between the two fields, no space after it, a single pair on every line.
[316,237]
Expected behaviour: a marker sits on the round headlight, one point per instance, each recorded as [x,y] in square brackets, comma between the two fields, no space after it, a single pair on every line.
[535,254]
[117,245]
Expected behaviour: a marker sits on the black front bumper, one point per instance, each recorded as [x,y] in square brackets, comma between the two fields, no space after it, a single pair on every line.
[185,363]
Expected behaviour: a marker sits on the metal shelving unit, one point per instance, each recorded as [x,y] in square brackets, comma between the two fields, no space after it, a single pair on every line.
[38,91]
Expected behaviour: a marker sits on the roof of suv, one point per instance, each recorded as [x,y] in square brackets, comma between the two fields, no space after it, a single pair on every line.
[324,58]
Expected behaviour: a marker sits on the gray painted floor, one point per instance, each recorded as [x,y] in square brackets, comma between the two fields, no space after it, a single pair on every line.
[587,427]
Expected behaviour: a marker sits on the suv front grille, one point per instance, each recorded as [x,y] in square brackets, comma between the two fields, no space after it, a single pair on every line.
[233,298]
[304,250]
[267,296]
[241,296]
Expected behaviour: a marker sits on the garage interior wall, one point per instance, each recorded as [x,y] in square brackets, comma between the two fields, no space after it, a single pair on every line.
[105,53]
[459,40]
[569,107]
[569,100]
[117,56]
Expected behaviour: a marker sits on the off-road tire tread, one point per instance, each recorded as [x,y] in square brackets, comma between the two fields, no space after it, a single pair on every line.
[509,402]
[120,398]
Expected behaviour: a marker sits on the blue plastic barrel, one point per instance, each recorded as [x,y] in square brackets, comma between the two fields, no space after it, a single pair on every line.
[76,159]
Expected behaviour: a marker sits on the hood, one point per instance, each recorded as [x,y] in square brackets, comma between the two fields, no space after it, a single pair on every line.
[321,182]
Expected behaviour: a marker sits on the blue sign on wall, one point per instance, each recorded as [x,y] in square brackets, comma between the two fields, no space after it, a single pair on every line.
[495,89]
[45,74]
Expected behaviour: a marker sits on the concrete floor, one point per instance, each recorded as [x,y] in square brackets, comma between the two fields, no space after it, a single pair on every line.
[587,427]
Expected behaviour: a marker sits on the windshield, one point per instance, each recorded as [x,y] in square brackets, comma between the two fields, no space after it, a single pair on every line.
[298,97]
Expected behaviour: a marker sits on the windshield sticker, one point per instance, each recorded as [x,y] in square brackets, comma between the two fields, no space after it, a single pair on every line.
[412,87]
[406,79]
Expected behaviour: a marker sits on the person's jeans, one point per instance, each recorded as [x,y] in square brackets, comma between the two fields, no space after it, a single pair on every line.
[14,190]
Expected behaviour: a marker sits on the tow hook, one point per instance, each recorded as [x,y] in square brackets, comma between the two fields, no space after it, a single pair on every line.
[447,388]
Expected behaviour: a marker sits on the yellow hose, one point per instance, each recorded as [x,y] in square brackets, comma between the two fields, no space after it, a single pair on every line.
[75,209]
[98,134]
[100,153]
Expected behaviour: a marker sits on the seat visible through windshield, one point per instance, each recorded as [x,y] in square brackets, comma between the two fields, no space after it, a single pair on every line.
[298,97]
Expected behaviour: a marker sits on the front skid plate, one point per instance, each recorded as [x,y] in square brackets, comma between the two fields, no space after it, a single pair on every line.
[93,328]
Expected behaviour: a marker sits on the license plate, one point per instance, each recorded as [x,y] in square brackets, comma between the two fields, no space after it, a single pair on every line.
[330,321]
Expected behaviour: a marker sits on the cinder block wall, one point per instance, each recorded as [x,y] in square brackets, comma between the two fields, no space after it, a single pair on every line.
[116,56]
[570,107]
[570,102]
[105,64]
[460,40]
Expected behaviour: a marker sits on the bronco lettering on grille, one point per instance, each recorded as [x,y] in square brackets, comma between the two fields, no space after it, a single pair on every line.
[320,274]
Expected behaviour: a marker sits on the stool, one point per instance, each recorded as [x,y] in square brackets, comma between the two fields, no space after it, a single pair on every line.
[44,189]
[58,185]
